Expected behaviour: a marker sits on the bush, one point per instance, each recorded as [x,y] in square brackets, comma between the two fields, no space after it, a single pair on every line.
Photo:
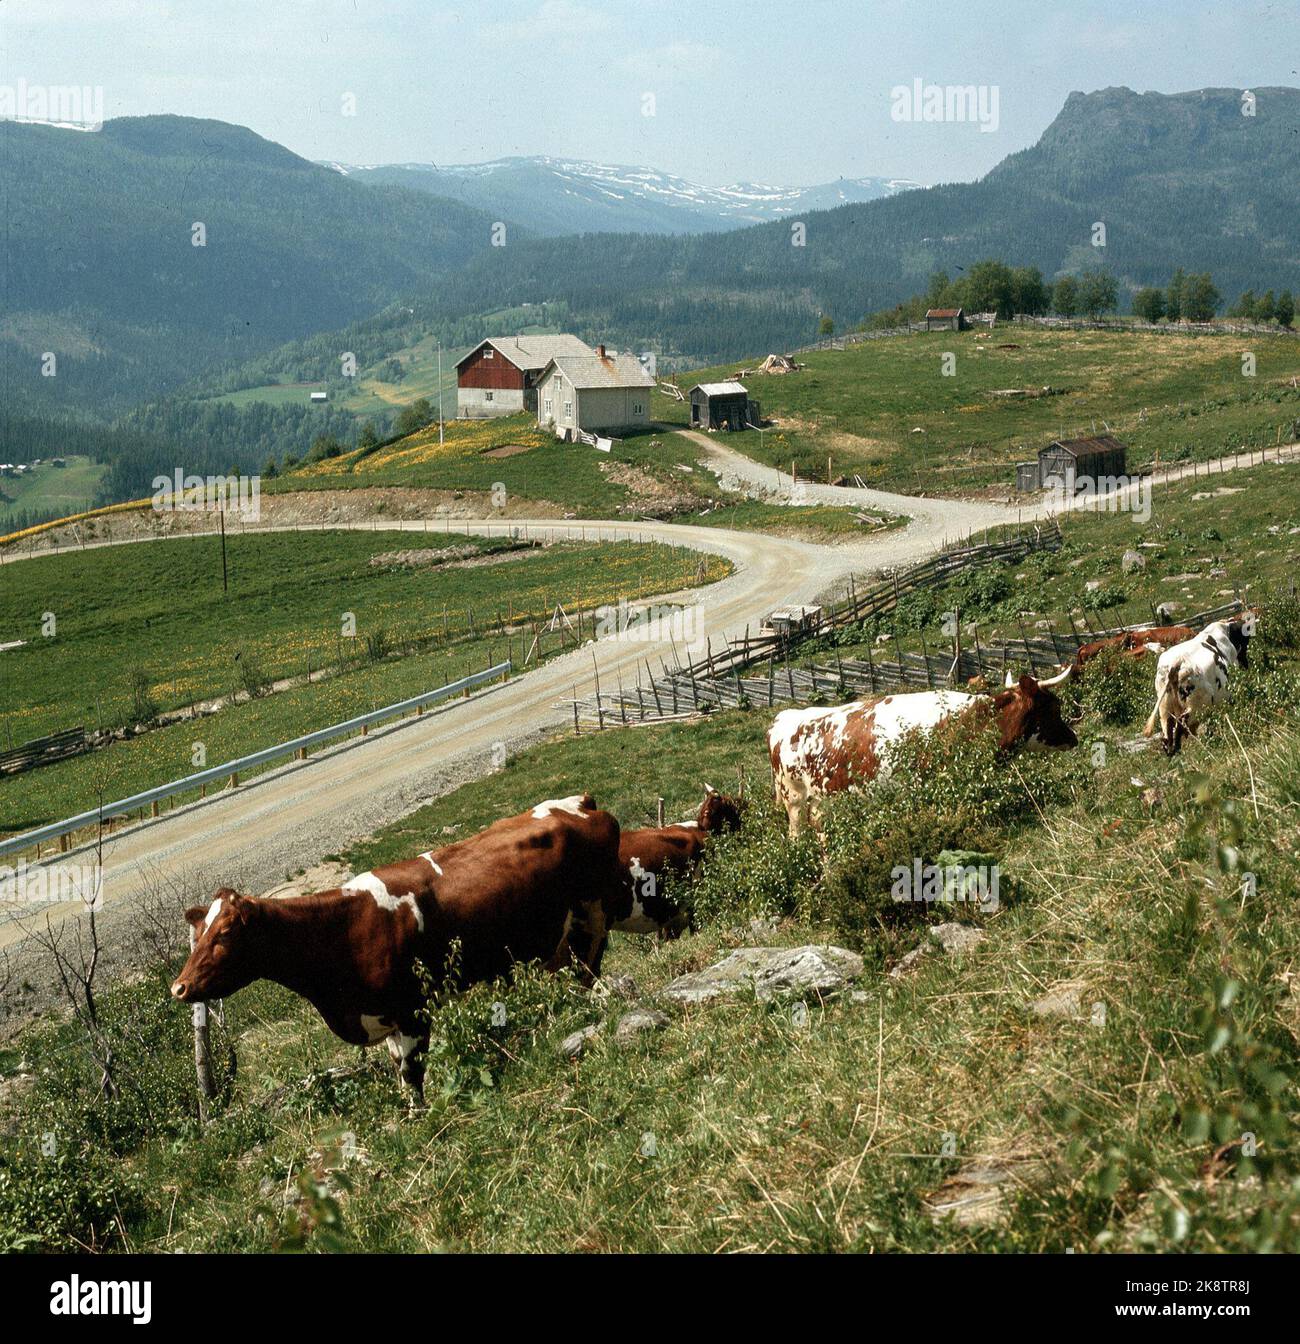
[1279,620]
[68,1200]
[1115,689]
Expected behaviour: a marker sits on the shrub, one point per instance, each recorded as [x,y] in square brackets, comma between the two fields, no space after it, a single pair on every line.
[1115,689]
[68,1200]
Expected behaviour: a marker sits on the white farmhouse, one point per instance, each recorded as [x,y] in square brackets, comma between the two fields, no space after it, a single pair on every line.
[598,393]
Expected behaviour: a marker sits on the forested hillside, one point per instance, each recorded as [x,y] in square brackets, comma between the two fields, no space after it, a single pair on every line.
[161,246]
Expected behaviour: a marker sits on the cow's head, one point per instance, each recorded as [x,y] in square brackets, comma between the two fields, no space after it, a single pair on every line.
[1240,629]
[221,960]
[1029,712]
[718,812]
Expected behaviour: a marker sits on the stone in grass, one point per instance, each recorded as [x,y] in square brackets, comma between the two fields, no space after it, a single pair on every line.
[977,1195]
[1062,1000]
[1132,561]
[574,1046]
[769,972]
[637,1023]
[952,938]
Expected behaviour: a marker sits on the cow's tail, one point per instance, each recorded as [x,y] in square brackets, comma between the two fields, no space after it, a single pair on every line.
[1171,712]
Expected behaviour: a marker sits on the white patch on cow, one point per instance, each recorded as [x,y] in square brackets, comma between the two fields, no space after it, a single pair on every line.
[213,911]
[428,858]
[571,805]
[375,886]
[1192,676]
[689,825]
[377,1029]
[638,921]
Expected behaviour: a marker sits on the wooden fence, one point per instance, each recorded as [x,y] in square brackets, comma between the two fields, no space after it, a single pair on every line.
[44,750]
[716,679]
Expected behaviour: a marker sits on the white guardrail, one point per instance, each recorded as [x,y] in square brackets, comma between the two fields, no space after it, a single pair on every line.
[56,829]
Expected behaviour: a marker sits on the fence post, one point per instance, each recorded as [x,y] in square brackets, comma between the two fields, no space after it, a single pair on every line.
[202,1049]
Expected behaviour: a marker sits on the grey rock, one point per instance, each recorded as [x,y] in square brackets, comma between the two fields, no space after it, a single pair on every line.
[616,987]
[953,938]
[975,1195]
[637,1022]
[1063,1000]
[1132,561]
[574,1045]
[1093,585]
[769,972]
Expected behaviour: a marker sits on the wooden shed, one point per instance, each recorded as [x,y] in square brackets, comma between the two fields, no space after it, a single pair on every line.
[1103,455]
[722,406]
[945,319]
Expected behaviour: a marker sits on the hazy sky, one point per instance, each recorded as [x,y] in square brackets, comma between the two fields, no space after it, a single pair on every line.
[781,91]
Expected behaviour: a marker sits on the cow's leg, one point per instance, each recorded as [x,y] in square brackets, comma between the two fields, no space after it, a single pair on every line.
[408,1053]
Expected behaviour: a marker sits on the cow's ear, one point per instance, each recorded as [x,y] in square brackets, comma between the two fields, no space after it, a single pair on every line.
[1027,684]
[196,914]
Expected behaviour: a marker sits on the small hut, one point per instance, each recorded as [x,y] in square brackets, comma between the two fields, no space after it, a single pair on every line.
[946,319]
[1093,458]
[722,406]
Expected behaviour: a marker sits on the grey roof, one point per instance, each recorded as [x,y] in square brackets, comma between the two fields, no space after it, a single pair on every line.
[730,389]
[533,352]
[585,371]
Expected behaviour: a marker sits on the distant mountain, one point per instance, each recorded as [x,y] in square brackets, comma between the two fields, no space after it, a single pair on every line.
[102,269]
[564,196]
[1177,179]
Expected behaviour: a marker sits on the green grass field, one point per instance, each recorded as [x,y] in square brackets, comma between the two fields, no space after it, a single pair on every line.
[645,475]
[154,613]
[1178,396]
[52,490]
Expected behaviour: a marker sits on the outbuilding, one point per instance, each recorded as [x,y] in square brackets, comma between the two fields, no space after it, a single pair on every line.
[722,406]
[945,319]
[1096,460]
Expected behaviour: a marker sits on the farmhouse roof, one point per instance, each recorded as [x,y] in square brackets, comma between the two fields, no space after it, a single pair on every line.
[1098,443]
[528,353]
[588,371]
[728,389]
[943,312]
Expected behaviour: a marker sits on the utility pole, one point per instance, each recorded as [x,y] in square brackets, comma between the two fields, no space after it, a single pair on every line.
[225,587]
[440,440]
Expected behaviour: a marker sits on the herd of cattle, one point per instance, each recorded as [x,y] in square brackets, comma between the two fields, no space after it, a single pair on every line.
[551,884]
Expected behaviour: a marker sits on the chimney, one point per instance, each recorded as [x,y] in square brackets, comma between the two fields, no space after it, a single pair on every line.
[600,350]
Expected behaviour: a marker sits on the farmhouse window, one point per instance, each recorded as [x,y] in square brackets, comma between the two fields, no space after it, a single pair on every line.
[549,406]
[489,396]
[489,353]
[638,408]
[568,410]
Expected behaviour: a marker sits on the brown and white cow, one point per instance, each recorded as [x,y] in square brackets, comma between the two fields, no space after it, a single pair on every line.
[541,886]
[1193,675]
[816,752]
[1134,643]
[655,851]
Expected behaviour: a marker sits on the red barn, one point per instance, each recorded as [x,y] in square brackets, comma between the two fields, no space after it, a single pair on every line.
[500,375]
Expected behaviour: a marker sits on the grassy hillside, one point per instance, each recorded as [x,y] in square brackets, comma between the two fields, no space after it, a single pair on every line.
[1166,395]
[1130,1014]
[125,652]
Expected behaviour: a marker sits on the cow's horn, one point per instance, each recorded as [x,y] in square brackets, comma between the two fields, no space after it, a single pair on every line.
[708,788]
[1058,679]
[1011,679]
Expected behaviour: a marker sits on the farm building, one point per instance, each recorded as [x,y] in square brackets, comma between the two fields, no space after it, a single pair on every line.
[945,319]
[318,396]
[596,392]
[722,406]
[1088,459]
[500,375]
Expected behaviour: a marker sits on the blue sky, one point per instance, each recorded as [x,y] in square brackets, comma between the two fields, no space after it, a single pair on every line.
[790,92]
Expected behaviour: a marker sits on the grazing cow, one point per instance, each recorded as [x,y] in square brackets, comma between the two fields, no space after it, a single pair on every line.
[542,886]
[815,752]
[650,853]
[1134,643]
[1193,675]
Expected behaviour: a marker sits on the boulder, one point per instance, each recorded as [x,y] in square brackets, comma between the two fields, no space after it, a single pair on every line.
[1062,1000]
[1132,561]
[769,972]
[573,1046]
[952,938]
[637,1022]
